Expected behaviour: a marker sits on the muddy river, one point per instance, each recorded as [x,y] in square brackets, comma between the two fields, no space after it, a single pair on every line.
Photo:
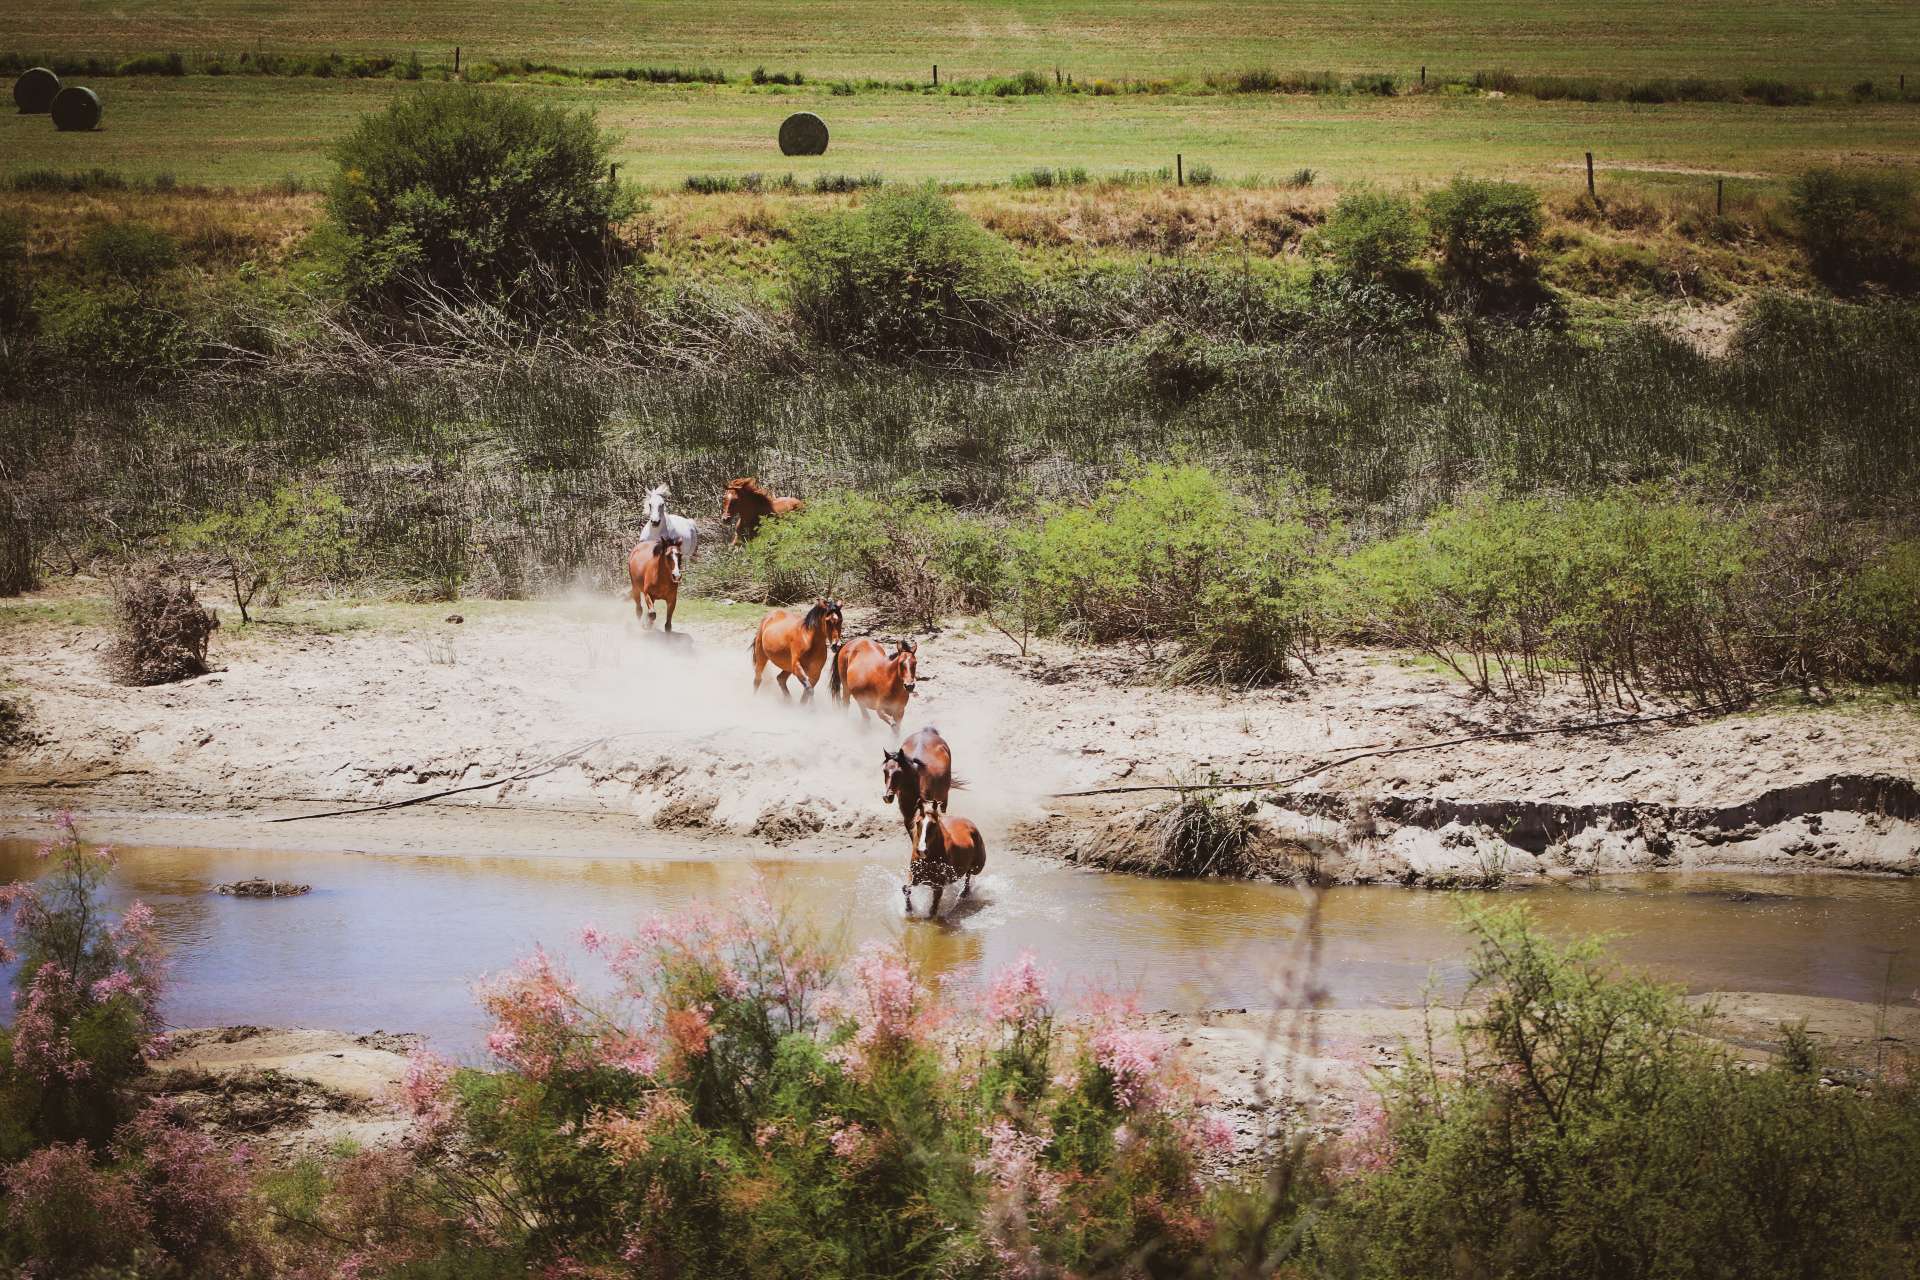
[396,942]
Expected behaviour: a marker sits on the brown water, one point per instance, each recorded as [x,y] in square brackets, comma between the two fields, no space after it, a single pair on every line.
[396,942]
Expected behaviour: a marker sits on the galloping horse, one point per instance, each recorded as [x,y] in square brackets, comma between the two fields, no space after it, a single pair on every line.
[653,572]
[746,502]
[797,646]
[918,775]
[660,521]
[864,672]
[944,850]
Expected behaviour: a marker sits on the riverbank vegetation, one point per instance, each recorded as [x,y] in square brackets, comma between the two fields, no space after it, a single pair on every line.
[733,1096]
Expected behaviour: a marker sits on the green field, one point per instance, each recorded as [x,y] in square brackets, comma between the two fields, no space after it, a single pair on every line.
[1836,42]
[244,131]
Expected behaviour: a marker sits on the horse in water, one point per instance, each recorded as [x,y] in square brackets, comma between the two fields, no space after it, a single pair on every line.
[945,849]
[660,521]
[918,775]
[798,646]
[653,573]
[864,672]
[747,502]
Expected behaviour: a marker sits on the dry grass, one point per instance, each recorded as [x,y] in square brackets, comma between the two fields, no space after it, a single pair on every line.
[211,228]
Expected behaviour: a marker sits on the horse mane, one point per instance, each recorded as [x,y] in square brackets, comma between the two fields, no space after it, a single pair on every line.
[665,540]
[747,484]
[817,612]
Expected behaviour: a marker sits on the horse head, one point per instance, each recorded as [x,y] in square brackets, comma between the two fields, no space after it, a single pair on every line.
[826,613]
[670,548]
[897,770]
[906,657]
[657,505]
[926,824]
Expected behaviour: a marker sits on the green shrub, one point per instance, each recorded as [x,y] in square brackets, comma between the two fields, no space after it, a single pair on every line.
[116,333]
[129,251]
[15,296]
[1485,230]
[466,194]
[258,545]
[1859,228]
[1374,236]
[1628,592]
[907,277]
[1881,608]
[1593,1131]
[1171,556]
[915,560]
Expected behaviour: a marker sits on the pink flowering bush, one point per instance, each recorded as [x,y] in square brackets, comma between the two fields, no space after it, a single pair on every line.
[86,1004]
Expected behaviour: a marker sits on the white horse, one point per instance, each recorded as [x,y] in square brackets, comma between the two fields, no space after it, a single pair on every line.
[660,520]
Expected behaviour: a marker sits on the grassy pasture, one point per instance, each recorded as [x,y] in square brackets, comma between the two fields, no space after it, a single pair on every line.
[248,131]
[1834,43]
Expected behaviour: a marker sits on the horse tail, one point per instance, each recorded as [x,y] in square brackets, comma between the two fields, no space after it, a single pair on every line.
[756,650]
[836,686]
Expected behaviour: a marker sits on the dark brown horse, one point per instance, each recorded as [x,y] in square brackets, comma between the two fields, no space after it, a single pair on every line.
[798,646]
[653,572]
[747,502]
[919,773]
[945,849]
[864,672]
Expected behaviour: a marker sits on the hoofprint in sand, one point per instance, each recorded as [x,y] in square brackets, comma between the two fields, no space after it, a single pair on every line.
[627,742]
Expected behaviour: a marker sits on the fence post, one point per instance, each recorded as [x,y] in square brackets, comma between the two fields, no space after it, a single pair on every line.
[456,59]
[1719,196]
[1179,170]
[1590,194]
[1423,76]
[936,75]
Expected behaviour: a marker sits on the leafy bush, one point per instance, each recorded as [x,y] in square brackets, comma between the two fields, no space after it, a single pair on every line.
[153,64]
[907,277]
[256,545]
[117,333]
[1374,235]
[87,1004]
[1881,608]
[131,251]
[1172,555]
[467,194]
[915,560]
[743,1102]
[1485,230]
[15,305]
[1592,1131]
[162,632]
[1859,228]
[1627,591]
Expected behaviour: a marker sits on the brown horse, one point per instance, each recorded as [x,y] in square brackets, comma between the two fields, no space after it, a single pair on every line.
[747,502]
[919,774]
[653,572]
[945,849]
[798,646]
[864,672]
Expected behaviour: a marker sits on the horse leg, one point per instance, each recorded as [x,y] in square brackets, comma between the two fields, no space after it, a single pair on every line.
[670,606]
[782,680]
[651,602]
[934,910]
[906,891]
[966,886]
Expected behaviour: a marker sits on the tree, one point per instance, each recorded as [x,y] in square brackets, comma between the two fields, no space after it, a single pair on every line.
[256,544]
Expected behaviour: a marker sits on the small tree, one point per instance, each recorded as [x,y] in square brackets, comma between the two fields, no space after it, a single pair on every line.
[1485,231]
[1374,235]
[259,543]
[476,194]
[87,1010]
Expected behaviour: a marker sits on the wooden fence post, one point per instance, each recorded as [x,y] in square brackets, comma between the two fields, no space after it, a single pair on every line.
[1719,196]
[456,59]
[1423,76]
[1179,170]
[936,75]
[1590,194]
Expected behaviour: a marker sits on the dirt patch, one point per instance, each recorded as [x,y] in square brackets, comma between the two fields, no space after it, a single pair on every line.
[606,740]
[287,1093]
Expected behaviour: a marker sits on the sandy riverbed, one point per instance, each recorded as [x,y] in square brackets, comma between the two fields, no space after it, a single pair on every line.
[636,744]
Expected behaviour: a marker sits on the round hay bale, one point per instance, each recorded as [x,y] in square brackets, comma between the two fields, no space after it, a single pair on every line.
[803,134]
[75,110]
[33,91]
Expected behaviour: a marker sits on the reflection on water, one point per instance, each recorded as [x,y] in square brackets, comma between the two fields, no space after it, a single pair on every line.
[396,942]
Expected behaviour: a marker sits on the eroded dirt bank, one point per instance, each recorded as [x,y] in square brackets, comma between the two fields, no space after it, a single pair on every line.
[618,741]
